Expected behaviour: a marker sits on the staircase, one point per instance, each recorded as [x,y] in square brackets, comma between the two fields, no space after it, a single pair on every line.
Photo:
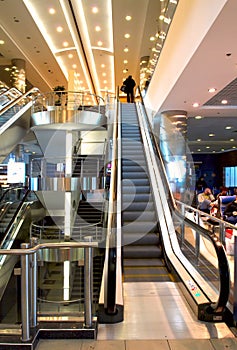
[143,258]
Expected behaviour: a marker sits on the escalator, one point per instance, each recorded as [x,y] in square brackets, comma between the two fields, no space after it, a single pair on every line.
[143,258]
[150,246]
[15,121]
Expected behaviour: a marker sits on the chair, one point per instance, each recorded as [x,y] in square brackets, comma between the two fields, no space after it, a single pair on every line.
[222,203]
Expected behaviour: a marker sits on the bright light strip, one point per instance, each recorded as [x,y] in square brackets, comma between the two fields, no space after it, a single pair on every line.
[77,46]
[44,32]
[66,279]
[87,44]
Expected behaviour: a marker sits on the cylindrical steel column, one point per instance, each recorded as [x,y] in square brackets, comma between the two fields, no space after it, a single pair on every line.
[25,310]
[33,285]
[88,283]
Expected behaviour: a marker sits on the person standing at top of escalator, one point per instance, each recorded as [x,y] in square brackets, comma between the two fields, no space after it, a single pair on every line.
[130,84]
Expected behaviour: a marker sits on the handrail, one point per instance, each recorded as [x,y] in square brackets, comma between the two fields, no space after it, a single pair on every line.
[50,245]
[223,265]
[14,102]
[219,249]
[15,215]
[111,229]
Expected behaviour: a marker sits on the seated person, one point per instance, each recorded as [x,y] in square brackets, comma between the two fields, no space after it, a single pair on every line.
[223,192]
[206,200]
[230,212]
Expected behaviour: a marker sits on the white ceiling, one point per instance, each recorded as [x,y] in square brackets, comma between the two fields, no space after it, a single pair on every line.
[213,63]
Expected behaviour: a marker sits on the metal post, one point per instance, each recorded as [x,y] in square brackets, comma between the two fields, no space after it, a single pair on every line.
[33,285]
[182,225]
[25,313]
[88,283]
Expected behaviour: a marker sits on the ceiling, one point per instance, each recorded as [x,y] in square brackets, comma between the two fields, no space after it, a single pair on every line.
[91,47]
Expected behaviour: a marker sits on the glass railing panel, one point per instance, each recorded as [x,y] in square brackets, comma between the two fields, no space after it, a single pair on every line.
[196,243]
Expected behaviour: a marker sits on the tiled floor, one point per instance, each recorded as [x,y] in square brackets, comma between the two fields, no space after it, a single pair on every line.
[156,317]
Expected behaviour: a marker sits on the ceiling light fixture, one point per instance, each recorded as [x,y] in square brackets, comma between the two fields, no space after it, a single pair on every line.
[211,135]
[52,11]
[94,9]
[59,29]
[224,102]
[99,43]
[195,104]
[127,36]
[198,117]
[128,18]
[2,42]
[228,127]
[211,90]
[126,49]
[97,28]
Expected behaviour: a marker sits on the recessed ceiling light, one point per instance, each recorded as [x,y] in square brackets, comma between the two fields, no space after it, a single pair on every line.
[198,117]
[99,43]
[224,102]
[152,38]
[125,61]
[211,135]
[126,49]
[128,18]
[199,150]
[2,42]
[211,90]
[59,29]
[104,74]
[207,146]
[74,66]
[103,65]
[52,11]
[65,44]
[94,9]
[127,36]
[70,55]
[97,28]
[228,127]
[105,81]
[234,147]
[199,140]
[195,104]
[232,140]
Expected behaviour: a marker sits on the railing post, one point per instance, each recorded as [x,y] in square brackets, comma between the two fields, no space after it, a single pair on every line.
[88,283]
[25,310]
[33,284]
[182,225]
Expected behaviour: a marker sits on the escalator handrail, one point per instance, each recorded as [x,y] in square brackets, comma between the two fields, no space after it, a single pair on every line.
[224,273]
[112,249]
[8,228]
[16,101]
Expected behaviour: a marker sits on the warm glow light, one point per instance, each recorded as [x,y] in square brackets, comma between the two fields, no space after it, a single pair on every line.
[228,127]
[2,42]
[99,43]
[127,36]
[195,104]
[52,11]
[97,29]
[125,61]
[103,65]
[211,90]
[65,44]
[70,55]
[94,9]
[224,102]
[198,117]
[126,49]
[59,29]
[152,38]
[104,74]
[128,18]
[211,135]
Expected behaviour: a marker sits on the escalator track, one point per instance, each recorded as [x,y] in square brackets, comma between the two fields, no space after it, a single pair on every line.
[143,258]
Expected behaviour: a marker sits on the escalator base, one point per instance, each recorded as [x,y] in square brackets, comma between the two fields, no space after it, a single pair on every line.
[49,330]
